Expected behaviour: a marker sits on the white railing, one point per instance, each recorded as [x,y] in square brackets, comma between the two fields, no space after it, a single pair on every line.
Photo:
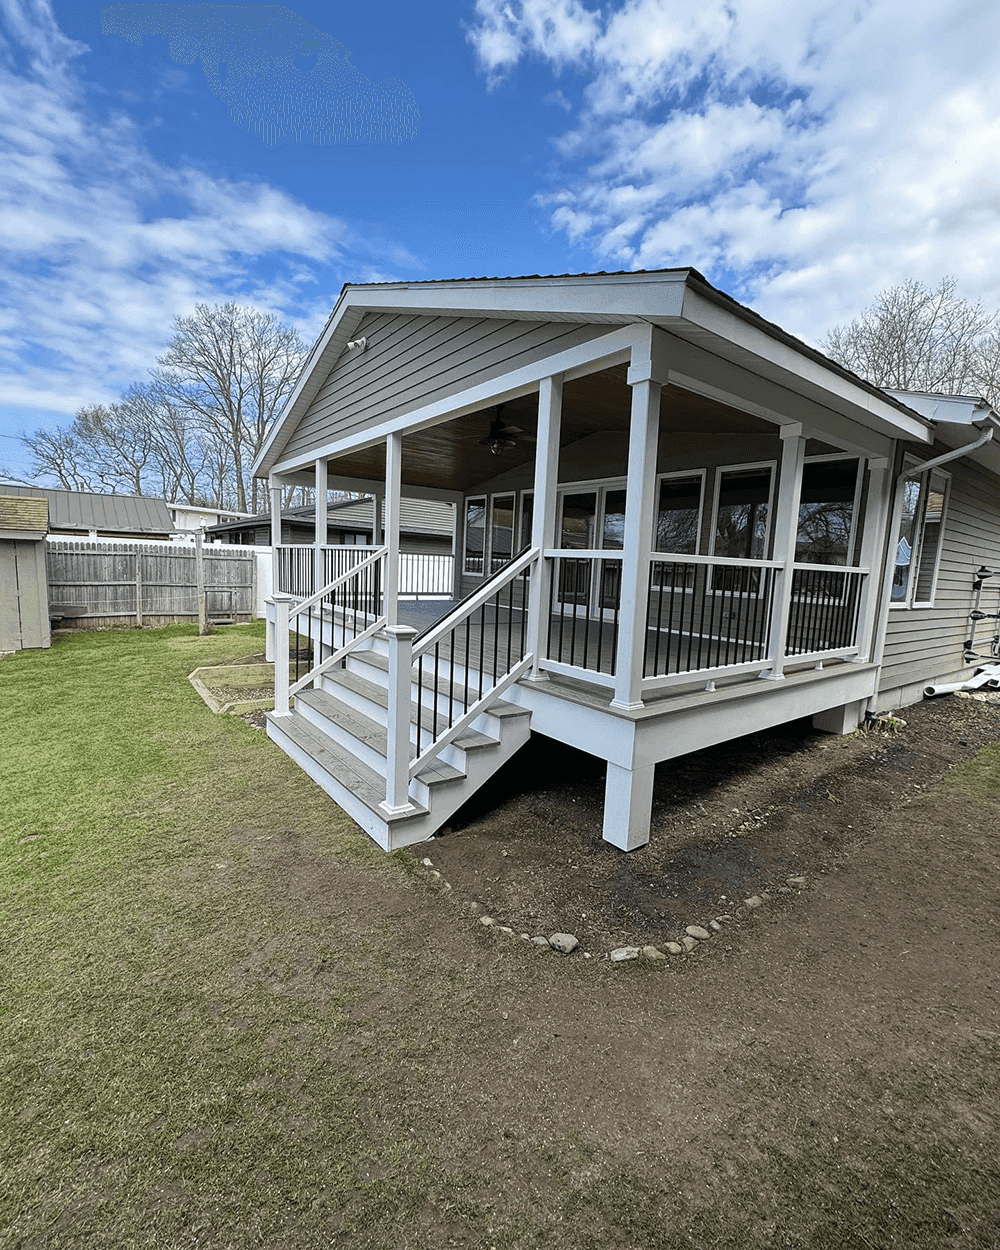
[351,605]
[421,574]
[704,616]
[463,664]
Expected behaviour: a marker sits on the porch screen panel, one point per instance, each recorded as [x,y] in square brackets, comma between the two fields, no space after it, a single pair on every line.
[742,516]
[475,536]
[613,539]
[501,531]
[826,512]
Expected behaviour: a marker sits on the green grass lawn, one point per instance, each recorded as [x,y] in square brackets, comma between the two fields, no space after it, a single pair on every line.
[228,1020]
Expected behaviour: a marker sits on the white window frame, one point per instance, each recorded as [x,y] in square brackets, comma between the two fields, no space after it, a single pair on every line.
[910,602]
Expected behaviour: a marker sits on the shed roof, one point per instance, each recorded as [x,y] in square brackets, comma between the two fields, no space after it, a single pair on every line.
[416,516]
[23,513]
[87,510]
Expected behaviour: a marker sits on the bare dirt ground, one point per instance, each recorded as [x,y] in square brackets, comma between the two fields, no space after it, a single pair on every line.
[821,1075]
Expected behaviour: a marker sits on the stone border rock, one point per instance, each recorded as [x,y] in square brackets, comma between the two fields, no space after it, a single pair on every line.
[694,935]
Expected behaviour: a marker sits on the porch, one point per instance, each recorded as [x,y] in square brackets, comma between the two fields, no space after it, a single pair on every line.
[655,549]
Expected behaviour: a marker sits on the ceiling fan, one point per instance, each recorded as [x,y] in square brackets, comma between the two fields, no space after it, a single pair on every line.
[501,436]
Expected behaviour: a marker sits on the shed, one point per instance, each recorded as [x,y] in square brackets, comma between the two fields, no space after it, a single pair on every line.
[24,610]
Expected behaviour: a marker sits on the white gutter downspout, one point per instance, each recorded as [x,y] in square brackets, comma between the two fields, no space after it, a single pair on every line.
[950,455]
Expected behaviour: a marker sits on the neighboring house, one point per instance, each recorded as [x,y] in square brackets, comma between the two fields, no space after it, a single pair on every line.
[424,526]
[85,514]
[189,518]
[677,524]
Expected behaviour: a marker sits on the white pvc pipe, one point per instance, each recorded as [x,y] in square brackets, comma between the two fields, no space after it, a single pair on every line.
[986,676]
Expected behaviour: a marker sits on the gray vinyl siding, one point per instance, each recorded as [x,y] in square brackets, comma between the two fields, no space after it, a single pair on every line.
[923,644]
[412,361]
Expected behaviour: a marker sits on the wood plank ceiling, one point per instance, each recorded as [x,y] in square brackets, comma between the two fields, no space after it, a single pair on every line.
[451,456]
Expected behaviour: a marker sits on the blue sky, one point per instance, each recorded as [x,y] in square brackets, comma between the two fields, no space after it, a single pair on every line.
[802,154]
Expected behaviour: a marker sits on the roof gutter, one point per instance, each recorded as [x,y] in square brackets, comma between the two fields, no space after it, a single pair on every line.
[983,439]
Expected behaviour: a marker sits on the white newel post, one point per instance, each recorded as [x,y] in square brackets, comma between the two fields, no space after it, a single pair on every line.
[786,534]
[397,760]
[543,516]
[393,477]
[282,609]
[321,523]
[643,437]
[877,510]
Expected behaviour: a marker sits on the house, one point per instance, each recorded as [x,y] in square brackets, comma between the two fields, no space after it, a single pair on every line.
[86,514]
[424,526]
[677,524]
[189,518]
[426,542]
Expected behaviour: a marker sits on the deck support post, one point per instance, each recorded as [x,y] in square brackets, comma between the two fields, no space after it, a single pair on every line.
[543,518]
[393,488]
[628,805]
[872,545]
[397,758]
[644,376]
[321,533]
[786,534]
[282,610]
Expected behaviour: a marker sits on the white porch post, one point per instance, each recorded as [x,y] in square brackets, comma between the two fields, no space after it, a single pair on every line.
[321,523]
[628,804]
[393,476]
[397,762]
[645,377]
[877,511]
[282,607]
[274,484]
[543,516]
[786,533]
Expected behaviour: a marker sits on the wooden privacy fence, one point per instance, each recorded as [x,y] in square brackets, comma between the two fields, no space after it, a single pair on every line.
[99,584]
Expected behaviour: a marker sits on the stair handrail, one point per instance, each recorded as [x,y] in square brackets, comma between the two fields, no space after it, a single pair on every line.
[473,601]
[284,690]
[447,625]
[487,581]
[306,604]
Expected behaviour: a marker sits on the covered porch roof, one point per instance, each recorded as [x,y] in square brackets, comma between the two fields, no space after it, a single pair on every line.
[726,364]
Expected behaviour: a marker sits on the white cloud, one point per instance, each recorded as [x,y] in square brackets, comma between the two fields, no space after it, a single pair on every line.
[808,152]
[94,264]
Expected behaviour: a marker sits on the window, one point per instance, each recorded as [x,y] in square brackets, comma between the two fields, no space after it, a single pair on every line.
[678,514]
[527,512]
[741,514]
[501,531]
[826,511]
[475,536]
[918,542]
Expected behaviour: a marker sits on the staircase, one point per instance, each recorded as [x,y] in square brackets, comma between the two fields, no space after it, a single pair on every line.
[337,728]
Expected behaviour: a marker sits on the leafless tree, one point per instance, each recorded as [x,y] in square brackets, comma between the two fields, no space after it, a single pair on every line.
[61,455]
[233,368]
[914,338]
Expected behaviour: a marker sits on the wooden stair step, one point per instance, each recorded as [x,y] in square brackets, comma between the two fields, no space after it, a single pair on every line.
[374,734]
[363,782]
[380,695]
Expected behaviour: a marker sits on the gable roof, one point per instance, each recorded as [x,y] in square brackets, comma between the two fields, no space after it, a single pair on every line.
[680,300]
[84,511]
